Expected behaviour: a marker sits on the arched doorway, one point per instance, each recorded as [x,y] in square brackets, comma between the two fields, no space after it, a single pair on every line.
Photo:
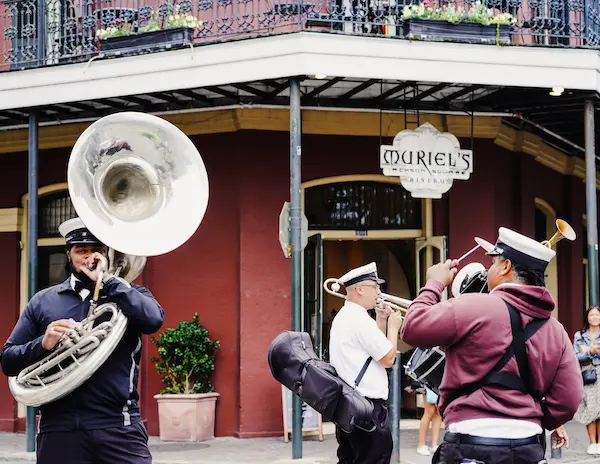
[54,207]
[353,220]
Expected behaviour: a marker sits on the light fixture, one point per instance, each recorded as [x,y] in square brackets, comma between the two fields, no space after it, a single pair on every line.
[320,76]
[557,91]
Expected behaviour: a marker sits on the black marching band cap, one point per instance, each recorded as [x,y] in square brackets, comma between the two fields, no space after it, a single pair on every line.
[360,274]
[76,233]
[521,250]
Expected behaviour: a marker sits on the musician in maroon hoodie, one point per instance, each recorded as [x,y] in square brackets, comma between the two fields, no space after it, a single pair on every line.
[499,418]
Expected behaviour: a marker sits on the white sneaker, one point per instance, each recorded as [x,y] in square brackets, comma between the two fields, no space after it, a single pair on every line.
[423,450]
[434,449]
[591,449]
[597,448]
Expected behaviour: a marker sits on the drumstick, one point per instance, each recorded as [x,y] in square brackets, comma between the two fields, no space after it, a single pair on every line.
[456,262]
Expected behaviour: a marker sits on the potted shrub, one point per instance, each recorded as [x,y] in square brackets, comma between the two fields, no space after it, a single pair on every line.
[186,361]
[477,25]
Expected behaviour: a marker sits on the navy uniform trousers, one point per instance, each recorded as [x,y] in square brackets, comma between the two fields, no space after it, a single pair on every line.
[119,445]
[458,448]
[360,447]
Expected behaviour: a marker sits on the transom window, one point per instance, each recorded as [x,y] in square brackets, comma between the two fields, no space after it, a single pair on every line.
[361,205]
[54,209]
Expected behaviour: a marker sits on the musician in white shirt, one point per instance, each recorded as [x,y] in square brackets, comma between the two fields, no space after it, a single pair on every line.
[355,337]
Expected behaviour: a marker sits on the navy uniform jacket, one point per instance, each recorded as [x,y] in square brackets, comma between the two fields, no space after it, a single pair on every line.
[109,398]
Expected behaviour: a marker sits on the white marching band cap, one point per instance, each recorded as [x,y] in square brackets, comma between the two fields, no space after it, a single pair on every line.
[520,250]
[366,272]
[75,232]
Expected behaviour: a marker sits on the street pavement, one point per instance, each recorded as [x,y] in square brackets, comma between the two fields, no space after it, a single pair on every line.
[276,451]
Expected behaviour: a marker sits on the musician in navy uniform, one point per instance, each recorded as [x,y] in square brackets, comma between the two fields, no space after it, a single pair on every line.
[499,392]
[99,422]
[355,338]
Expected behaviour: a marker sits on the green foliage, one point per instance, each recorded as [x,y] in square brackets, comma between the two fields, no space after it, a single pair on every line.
[477,13]
[186,358]
[174,19]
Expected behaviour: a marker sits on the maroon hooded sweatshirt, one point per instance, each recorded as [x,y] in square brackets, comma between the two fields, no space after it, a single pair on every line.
[475,331]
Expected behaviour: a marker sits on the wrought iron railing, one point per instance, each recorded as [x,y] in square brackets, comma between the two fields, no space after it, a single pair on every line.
[67,30]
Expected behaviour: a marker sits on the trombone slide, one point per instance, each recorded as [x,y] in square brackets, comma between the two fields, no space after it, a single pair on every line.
[396,303]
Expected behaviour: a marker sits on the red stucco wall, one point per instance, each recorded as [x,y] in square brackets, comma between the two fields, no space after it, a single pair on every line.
[9,311]
[233,272]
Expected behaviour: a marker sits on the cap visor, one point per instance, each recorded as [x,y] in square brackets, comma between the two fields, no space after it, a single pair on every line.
[494,252]
[380,281]
[487,246]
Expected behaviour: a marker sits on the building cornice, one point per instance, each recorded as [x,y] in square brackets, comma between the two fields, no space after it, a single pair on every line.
[322,122]
[532,144]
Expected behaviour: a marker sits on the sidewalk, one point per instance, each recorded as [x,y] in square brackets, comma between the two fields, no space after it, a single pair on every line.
[276,451]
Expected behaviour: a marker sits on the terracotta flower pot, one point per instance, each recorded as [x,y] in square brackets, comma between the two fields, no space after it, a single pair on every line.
[187,417]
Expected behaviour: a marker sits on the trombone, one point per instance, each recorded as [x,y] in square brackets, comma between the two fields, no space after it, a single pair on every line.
[564,230]
[396,303]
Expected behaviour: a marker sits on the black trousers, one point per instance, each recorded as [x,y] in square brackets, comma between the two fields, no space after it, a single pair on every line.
[457,452]
[120,445]
[359,447]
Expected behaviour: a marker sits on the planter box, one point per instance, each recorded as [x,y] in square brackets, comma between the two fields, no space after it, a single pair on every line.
[149,41]
[433,29]
[187,417]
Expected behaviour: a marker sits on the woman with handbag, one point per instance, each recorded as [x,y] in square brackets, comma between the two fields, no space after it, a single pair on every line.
[587,347]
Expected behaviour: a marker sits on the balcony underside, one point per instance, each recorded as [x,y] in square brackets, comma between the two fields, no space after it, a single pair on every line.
[557,120]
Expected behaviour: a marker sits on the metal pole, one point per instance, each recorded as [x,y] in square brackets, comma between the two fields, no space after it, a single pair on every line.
[591,207]
[296,228]
[41,32]
[32,238]
[394,407]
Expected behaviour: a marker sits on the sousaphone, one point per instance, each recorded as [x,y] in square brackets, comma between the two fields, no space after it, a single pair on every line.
[141,187]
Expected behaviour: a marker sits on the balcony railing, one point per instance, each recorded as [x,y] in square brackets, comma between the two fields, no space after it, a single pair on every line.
[44,32]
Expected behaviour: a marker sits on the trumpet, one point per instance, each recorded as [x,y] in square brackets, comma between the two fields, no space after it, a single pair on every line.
[564,230]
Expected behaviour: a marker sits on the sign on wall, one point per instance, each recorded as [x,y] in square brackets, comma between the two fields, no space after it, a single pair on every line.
[426,160]
[312,421]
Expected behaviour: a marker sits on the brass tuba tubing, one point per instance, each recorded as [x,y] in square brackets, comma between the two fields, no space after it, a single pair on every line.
[396,303]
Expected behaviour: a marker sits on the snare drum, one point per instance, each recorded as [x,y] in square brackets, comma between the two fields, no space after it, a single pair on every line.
[427,367]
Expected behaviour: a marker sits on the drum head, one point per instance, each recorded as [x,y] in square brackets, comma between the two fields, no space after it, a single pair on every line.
[464,275]
[427,367]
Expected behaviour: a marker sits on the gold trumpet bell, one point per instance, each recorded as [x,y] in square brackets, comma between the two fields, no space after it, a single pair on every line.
[564,231]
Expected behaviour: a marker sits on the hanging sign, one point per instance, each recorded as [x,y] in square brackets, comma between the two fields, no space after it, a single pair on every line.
[426,160]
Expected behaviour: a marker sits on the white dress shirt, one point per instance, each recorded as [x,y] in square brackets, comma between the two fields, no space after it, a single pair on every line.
[354,337]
